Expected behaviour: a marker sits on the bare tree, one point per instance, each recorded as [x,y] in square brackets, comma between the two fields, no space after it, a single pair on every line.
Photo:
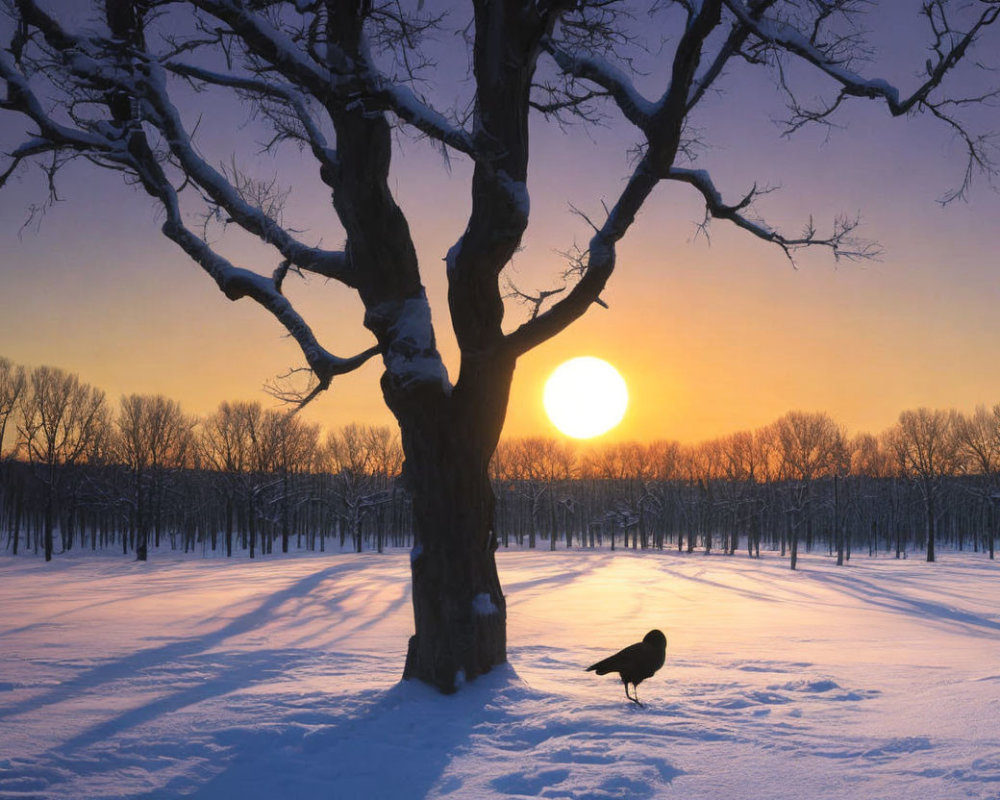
[978,441]
[12,383]
[811,445]
[294,447]
[334,77]
[62,420]
[927,448]
[363,459]
[225,446]
[154,434]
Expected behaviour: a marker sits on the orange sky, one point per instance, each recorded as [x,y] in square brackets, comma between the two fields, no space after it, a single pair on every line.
[711,338]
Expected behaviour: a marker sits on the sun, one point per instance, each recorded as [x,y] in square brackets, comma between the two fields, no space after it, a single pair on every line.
[585,397]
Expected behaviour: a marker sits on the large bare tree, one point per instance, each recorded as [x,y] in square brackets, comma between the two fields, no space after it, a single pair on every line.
[335,77]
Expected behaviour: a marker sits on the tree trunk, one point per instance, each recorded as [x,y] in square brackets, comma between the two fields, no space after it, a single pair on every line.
[837,526]
[229,526]
[49,524]
[931,512]
[458,606]
[460,613]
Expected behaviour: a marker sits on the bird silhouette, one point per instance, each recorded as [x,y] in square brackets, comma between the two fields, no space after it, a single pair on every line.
[636,662]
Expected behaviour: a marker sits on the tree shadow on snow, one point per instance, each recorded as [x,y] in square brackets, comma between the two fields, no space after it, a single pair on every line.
[100,676]
[496,736]
[379,744]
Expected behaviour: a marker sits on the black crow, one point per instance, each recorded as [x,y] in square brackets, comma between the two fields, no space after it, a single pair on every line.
[636,662]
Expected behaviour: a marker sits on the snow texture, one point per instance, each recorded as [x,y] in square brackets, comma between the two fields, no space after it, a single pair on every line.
[483,605]
[218,679]
[412,357]
[518,193]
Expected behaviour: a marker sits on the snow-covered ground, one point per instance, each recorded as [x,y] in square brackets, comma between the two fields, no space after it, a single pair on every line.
[279,679]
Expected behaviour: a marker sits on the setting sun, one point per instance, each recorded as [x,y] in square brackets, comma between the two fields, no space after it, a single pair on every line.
[585,397]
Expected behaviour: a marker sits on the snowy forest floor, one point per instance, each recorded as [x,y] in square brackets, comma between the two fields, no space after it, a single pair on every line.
[186,677]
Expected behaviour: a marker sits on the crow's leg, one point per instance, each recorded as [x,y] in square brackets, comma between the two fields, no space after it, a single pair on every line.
[630,697]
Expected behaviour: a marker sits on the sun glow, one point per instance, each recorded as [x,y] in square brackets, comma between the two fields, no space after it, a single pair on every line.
[585,397]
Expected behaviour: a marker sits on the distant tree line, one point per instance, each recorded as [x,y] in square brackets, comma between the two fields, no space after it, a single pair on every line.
[78,472]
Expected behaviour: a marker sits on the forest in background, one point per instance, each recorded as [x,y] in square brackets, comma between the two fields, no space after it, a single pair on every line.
[79,472]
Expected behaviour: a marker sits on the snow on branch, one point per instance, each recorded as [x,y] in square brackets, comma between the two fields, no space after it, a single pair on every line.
[95,74]
[834,58]
[351,81]
[401,101]
[600,263]
[152,83]
[841,242]
[236,283]
[287,95]
[615,83]
[277,48]
[732,47]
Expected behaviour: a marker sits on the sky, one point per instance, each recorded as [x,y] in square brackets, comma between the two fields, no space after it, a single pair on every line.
[712,336]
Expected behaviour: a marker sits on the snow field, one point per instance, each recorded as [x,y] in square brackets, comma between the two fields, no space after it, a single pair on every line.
[279,678]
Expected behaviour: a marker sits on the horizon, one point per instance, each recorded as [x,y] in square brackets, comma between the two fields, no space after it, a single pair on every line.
[582,444]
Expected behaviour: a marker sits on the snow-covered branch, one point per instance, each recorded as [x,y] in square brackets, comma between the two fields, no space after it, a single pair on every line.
[286,94]
[841,242]
[835,55]
[121,143]
[401,101]
[343,81]
[152,84]
[600,264]
[792,40]
[732,47]
[615,83]
[236,283]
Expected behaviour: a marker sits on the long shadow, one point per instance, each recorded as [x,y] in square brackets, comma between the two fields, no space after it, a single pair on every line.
[518,590]
[747,593]
[145,594]
[383,745]
[239,671]
[144,659]
[410,741]
[883,597]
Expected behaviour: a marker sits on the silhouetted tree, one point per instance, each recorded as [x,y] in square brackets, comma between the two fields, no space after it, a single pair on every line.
[153,435]
[62,421]
[978,441]
[811,446]
[927,448]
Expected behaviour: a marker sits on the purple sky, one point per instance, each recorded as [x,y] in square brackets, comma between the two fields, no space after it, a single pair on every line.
[711,338]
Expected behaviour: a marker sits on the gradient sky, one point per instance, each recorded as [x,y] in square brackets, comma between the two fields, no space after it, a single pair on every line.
[711,337]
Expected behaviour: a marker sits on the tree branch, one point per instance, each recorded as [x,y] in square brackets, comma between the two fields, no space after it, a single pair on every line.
[331,264]
[636,108]
[600,265]
[791,40]
[841,242]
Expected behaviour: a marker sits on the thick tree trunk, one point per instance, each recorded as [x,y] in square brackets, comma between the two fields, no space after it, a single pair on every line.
[458,606]
[459,610]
